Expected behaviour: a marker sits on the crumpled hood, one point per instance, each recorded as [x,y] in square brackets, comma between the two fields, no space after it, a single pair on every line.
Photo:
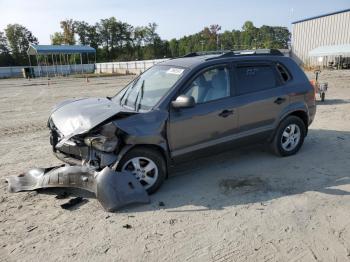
[78,116]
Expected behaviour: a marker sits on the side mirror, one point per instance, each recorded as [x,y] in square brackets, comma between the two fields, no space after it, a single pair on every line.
[183,101]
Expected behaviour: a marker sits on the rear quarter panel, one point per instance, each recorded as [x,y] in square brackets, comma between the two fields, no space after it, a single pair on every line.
[300,91]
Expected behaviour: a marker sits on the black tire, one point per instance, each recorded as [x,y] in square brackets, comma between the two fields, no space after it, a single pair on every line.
[323,97]
[276,144]
[151,154]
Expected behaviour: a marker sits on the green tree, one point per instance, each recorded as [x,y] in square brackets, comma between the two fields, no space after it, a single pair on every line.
[281,37]
[19,39]
[57,38]
[174,48]
[93,36]
[4,49]
[153,42]
[5,57]
[87,34]
[68,31]
[82,30]
[104,29]
[138,41]
[249,35]
[227,40]
[116,40]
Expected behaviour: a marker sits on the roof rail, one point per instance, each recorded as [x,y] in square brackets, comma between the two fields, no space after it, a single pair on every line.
[255,52]
[232,53]
[203,53]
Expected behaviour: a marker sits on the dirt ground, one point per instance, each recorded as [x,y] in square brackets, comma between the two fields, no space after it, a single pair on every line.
[243,205]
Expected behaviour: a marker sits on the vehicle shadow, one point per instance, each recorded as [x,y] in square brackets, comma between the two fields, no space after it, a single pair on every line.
[254,175]
[333,102]
[249,175]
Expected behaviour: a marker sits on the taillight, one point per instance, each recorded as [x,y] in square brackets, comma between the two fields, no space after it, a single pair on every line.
[313,83]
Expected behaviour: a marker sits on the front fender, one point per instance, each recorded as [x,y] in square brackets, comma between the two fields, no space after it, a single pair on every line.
[146,129]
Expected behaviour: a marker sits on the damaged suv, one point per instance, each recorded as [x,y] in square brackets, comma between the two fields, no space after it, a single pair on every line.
[185,107]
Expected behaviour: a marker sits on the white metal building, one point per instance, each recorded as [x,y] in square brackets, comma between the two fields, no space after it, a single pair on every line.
[330,29]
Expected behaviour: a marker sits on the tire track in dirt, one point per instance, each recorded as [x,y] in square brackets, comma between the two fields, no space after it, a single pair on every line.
[26,128]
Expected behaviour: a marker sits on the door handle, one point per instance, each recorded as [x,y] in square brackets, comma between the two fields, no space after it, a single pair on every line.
[279,100]
[226,113]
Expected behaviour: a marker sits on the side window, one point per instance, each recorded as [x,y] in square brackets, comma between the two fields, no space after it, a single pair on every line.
[255,78]
[283,72]
[210,85]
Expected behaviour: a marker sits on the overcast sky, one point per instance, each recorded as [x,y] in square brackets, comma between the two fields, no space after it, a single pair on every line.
[175,18]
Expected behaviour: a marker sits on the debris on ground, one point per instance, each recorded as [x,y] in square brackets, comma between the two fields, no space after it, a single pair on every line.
[127,226]
[113,190]
[31,228]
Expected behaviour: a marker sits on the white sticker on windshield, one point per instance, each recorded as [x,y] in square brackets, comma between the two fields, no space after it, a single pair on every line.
[175,71]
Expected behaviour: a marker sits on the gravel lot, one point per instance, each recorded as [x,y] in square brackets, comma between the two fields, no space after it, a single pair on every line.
[243,205]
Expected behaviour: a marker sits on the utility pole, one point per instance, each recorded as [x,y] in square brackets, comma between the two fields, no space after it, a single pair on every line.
[202,43]
[217,41]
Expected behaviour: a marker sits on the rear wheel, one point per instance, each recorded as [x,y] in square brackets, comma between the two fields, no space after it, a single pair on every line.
[289,136]
[147,165]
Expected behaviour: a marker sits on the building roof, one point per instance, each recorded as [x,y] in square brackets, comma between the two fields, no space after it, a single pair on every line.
[319,16]
[331,50]
[59,49]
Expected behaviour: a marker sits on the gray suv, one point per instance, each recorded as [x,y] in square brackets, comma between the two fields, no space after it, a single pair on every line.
[187,107]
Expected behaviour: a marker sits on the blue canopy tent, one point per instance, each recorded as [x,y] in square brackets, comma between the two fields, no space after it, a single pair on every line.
[59,53]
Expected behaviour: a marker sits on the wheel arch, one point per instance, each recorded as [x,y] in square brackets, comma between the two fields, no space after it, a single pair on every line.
[300,113]
[159,148]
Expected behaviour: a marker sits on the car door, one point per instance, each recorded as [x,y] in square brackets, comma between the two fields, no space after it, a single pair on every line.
[261,97]
[211,121]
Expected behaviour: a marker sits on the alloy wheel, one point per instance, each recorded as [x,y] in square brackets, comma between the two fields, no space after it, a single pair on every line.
[144,169]
[290,137]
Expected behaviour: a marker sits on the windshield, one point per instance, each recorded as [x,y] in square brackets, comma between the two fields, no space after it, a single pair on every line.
[145,92]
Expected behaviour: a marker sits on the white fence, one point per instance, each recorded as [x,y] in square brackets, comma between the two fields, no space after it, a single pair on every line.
[16,71]
[132,67]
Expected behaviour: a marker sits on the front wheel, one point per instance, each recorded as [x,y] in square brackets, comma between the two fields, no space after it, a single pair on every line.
[147,165]
[289,136]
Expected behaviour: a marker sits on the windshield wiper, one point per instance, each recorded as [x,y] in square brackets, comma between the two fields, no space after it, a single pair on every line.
[137,105]
[128,92]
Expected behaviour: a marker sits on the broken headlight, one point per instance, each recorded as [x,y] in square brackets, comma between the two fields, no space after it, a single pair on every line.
[106,139]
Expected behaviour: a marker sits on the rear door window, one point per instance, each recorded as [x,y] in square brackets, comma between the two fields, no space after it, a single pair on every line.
[255,78]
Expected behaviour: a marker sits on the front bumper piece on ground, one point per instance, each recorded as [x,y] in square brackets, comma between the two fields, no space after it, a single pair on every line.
[112,189]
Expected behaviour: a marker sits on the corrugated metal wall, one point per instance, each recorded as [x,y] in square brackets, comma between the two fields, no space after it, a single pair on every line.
[327,30]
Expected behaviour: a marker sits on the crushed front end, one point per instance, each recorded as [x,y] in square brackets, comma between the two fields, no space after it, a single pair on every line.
[97,147]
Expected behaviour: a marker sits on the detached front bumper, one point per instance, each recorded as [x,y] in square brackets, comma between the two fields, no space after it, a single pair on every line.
[77,153]
[112,189]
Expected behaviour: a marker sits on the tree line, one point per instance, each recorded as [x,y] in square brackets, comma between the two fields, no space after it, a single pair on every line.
[115,40]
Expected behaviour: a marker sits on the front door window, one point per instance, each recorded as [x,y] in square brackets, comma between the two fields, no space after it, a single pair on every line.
[211,85]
